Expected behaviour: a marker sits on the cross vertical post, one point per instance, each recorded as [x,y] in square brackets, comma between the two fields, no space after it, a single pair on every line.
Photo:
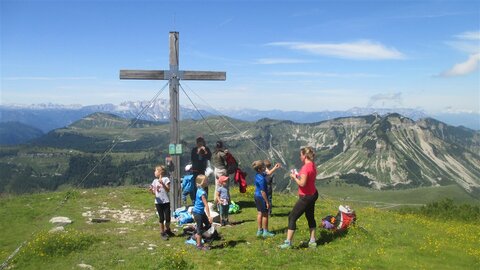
[174,117]
[174,75]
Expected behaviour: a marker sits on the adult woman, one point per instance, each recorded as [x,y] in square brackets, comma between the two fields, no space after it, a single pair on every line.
[308,195]
[199,156]
[219,165]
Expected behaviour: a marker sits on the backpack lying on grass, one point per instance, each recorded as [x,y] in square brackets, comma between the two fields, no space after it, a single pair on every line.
[207,237]
[344,218]
[183,216]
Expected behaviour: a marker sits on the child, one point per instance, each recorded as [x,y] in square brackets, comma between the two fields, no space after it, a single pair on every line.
[201,212]
[261,200]
[223,198]
[160,188]
[269,178]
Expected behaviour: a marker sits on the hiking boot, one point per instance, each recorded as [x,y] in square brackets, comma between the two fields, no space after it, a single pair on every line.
[312,244]
[268,234]
[164,236]
[202,247]
[286,245]
[170,233]
[259,233]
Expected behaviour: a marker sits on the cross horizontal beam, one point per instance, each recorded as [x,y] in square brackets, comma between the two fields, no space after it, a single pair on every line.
[204,75]
[167,74]
[142,74]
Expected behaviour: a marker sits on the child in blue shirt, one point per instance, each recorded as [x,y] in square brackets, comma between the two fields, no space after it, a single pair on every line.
[201,212]
[261,200]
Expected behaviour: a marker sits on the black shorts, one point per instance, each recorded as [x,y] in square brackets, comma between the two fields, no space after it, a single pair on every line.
[261,204]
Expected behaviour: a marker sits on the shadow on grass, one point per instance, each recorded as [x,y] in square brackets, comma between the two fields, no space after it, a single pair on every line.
[228,244]
[280,231]
[233,223]
[280,214]
[329,236]
[246,204]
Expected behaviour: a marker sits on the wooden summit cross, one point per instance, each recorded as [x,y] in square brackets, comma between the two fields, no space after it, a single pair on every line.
[174,75]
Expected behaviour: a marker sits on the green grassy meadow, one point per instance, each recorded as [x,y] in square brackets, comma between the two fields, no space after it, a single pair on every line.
[382,239]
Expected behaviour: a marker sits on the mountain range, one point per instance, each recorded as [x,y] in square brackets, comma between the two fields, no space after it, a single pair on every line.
[375,151]
[47,117]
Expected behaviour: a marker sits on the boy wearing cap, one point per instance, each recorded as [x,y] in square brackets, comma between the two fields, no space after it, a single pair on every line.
[223,199]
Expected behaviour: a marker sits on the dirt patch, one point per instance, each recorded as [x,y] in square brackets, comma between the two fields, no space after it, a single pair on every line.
[125,215]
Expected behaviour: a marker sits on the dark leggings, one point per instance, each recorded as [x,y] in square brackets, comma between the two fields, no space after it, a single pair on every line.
[163,211]
[305,204]
[202,222]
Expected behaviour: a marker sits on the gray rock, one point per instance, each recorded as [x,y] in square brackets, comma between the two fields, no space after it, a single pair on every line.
[60,221]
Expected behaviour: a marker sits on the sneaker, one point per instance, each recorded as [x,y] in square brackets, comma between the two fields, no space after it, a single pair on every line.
[170,233]
[268,234]
[312,244]
[202,247]
[164,236]
[191,241]
[286,245]
[259,233]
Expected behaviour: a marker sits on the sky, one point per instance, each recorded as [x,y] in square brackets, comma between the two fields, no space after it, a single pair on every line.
[285,55]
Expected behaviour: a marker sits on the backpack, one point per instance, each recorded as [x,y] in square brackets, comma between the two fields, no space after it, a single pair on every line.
[232,163]
[344,218]
[183,216]
[233,208]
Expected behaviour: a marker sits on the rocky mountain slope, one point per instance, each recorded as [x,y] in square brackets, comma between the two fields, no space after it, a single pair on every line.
[381,152]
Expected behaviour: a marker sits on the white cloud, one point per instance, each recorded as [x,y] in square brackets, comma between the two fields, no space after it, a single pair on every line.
[468,47]
[470,35]
[274,61]
[463,68]
[359,50]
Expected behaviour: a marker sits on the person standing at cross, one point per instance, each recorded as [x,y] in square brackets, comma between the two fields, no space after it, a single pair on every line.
[219,165]
[200,156]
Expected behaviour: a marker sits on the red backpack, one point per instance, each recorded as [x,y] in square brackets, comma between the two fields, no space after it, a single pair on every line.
[345,217]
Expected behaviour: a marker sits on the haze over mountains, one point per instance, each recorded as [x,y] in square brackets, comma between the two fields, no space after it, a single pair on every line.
[50,116]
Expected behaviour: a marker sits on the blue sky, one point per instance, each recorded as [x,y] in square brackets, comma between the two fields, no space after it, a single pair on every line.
[287,55]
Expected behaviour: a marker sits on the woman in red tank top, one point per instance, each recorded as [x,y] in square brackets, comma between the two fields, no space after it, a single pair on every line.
[307,196]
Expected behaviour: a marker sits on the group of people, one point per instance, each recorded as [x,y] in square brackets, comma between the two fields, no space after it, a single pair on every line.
[200,155]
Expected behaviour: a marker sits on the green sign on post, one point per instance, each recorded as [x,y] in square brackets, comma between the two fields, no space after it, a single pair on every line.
[175,149]
[171,149]
[178,149]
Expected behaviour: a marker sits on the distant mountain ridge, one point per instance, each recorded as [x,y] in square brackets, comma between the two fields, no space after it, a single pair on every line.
[49,116]
[12,133]
[380,152]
